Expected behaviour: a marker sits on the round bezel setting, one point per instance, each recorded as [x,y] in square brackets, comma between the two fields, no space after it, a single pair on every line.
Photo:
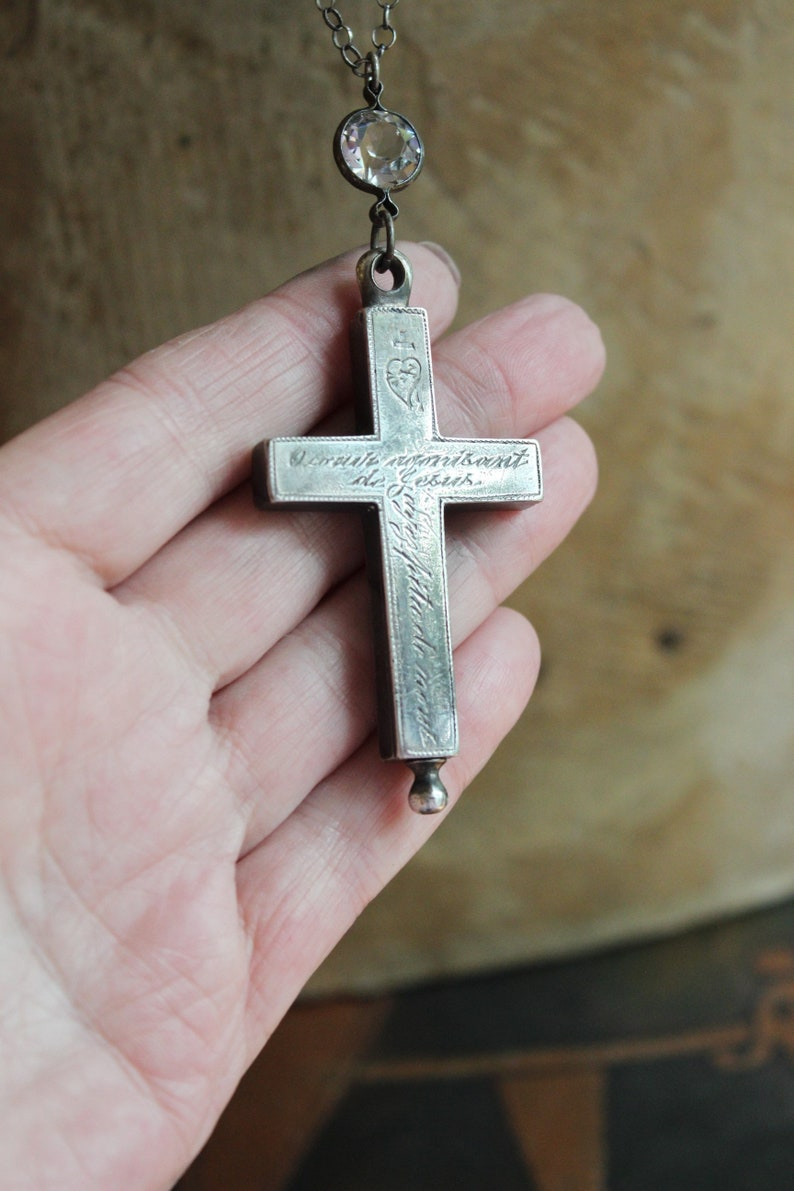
[378,150]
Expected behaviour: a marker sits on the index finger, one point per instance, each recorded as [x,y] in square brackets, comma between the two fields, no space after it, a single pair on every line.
[118,473]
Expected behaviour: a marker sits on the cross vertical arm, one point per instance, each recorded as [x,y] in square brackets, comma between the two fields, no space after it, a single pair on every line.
[417,718]
[402,473]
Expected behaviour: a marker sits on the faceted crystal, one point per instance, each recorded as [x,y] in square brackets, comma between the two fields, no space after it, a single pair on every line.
[380,149]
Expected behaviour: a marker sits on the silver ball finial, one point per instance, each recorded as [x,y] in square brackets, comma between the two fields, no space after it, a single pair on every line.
[428,795]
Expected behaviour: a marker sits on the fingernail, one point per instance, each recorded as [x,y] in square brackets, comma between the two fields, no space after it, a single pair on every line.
[444,256]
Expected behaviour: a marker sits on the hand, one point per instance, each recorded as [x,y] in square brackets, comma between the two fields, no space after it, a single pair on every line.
[192,809]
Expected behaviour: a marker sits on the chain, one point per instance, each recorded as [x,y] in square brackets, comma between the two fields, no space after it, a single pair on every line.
[383,36]
[367,67]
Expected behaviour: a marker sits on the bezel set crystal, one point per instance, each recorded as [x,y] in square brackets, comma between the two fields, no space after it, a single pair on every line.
[390,179]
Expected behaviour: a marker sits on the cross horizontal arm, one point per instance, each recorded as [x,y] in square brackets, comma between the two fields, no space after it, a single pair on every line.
[310,470]
[479,471]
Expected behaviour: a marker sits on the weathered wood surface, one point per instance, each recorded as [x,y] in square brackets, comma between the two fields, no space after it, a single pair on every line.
[159,168]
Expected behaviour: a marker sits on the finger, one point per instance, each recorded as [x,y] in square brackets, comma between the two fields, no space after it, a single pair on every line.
[518,370]
[311,701]
[304,886]
[235,581]
[114,476]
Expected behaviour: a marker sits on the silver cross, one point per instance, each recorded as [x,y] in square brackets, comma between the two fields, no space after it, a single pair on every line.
[401,473]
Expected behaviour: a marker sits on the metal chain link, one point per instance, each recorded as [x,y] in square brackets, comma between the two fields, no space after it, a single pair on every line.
[383,36]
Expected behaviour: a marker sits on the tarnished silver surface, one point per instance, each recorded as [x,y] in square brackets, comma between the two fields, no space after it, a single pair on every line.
[402,474]
[383,36]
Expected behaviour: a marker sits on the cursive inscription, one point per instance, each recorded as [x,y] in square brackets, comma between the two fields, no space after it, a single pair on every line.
[419,686]
[426,469]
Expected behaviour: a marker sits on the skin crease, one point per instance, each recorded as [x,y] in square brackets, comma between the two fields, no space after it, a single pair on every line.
[192,808]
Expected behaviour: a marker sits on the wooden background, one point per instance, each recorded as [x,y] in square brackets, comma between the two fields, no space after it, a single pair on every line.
[162,163]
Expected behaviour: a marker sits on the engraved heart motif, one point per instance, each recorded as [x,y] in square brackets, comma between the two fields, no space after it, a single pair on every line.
[402,377]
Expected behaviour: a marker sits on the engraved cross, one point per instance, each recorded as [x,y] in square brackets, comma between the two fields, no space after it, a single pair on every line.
[401,473]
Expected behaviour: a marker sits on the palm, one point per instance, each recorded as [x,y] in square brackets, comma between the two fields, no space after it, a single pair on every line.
[192,813]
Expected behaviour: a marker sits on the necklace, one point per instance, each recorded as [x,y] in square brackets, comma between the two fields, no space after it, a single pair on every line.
[398,471]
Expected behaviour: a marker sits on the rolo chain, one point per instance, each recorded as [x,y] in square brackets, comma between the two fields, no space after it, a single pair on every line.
[383,36]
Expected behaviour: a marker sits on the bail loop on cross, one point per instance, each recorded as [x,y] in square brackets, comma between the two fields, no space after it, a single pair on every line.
[399,266]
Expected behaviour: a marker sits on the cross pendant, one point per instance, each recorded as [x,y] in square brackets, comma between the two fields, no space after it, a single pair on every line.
[401,473]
